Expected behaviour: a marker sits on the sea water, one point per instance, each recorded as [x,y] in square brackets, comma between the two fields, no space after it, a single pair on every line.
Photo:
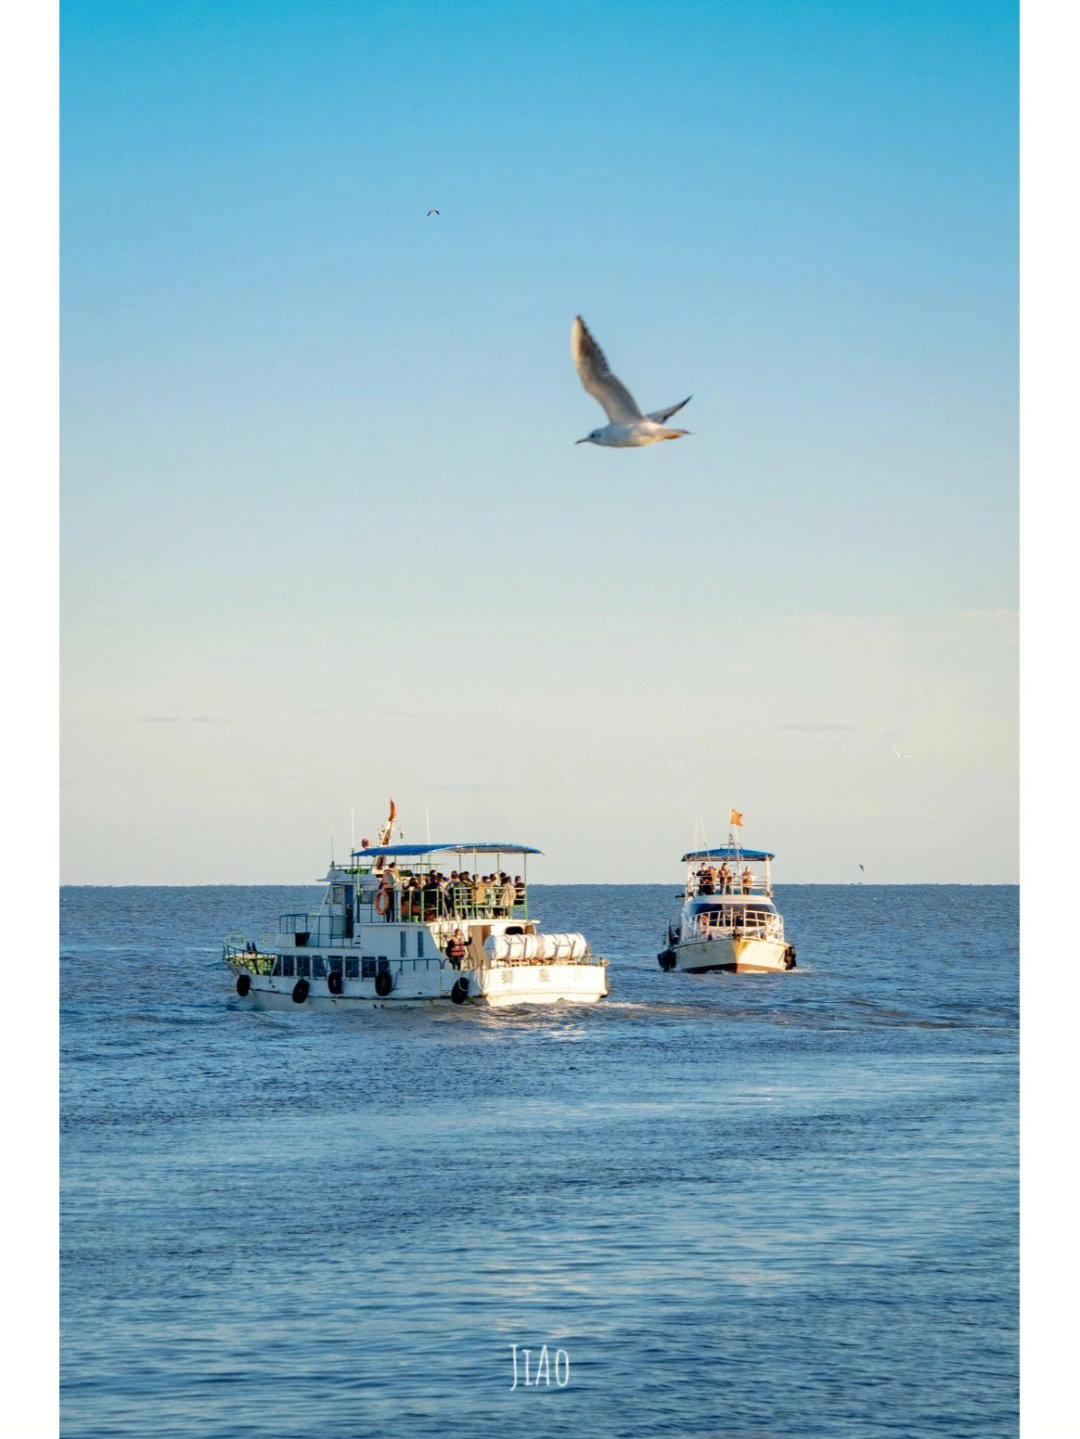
[759,1205]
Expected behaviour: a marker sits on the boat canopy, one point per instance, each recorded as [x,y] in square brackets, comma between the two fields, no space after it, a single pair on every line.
[725,852]
[418,851]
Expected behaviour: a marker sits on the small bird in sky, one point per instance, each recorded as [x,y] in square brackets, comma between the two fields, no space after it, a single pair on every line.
[433,212]
[898,755]
[628,425]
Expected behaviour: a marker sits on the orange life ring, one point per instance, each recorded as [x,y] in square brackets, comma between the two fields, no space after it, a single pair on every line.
[382,899]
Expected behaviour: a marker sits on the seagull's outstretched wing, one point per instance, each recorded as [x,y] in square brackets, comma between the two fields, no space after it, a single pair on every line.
[661,415]
[589,361]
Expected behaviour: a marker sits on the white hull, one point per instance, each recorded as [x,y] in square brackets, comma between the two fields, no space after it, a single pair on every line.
[541,984]
[423,985]
[736,956]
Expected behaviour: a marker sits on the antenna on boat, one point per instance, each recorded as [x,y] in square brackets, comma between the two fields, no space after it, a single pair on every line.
[427,821]
[352,826]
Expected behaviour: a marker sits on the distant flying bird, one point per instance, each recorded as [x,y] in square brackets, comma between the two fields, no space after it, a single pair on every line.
[898,755]
[628,425]
[433,212]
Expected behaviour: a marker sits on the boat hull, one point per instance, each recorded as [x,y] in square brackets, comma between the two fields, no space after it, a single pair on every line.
[730,955]
[498,986]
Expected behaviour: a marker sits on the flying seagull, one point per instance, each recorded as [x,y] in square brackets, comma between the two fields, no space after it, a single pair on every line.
[628,425]
[433,212]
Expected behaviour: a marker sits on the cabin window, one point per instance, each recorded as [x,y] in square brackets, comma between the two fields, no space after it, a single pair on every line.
[402,937]
[318,967]
[302,936]
[419,944]
[383,964]
[352,969]
[286,966]
[275,968]
[337,894]
[303,968]
[334,964]
[368,968]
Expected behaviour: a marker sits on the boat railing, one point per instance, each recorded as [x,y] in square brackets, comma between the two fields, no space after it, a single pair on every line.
[756,884]
[240,953]
[318,930]
[710,923]
[414,906]
[520,962]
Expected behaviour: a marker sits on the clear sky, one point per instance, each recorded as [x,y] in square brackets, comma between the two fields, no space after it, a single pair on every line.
[326,536]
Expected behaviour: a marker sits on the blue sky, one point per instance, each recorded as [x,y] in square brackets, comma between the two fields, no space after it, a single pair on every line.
[326,535]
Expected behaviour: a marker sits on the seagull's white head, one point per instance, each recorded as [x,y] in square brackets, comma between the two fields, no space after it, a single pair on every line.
[592,437]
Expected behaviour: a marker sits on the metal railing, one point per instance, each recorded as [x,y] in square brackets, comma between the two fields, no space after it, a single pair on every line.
[238,953]
[416,906]
[712,923]
[756,885]
[486,961]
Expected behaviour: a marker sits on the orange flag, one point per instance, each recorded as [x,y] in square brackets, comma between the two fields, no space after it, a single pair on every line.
[736,818]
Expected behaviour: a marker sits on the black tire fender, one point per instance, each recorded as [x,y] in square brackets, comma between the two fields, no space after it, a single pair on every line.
[334,983]
[384,983]
[460,992]
[243,984]
[300,991]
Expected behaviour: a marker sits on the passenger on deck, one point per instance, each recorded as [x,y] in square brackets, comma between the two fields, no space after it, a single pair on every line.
[747,881]
[707,880]
[390,884]
[506,895]
[442,894]
[519,891]
[725,879]
[431,894]
[416,897]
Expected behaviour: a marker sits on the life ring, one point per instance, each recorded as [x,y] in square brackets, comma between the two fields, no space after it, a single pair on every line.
[243,984]
[384,983]
[300,991]
[382,899]
[334,983]
[460,992]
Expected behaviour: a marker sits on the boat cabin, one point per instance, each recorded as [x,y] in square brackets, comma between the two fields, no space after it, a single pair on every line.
[421,884]
[728,890]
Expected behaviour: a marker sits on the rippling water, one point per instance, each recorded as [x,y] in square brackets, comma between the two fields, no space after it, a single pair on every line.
[740,1205]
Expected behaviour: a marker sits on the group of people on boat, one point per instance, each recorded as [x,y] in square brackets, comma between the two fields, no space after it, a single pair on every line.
[458,895]
[723,881]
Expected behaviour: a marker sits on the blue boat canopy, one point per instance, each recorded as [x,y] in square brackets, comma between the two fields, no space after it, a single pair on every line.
[725,852]
[417,851]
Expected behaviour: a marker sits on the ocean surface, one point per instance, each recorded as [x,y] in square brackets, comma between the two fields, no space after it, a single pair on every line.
[727,1205]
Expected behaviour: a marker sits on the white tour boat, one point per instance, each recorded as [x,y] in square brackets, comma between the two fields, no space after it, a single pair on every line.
[727,918]
[410,924]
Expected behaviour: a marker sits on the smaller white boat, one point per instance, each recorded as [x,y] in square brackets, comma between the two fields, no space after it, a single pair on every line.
[727,918]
